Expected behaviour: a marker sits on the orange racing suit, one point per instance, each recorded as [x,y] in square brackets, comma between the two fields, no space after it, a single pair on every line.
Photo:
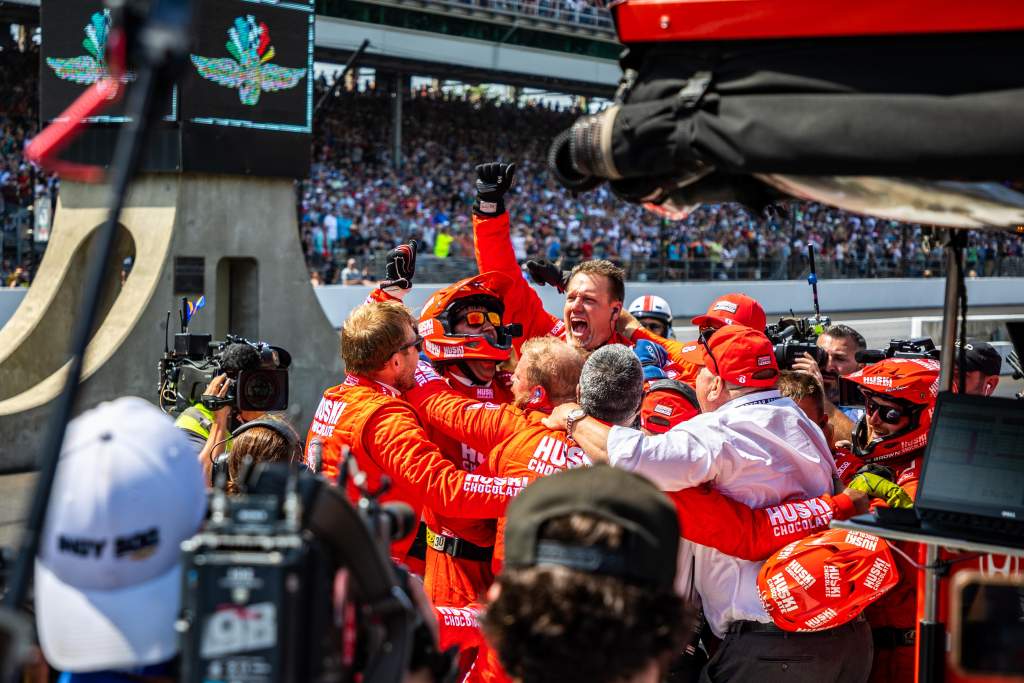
[521,449]
[386,438]
[449,580]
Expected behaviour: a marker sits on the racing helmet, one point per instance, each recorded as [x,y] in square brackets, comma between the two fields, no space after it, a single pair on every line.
[667,402]
[913,383]
[825,580]
[442,344]
[650,306]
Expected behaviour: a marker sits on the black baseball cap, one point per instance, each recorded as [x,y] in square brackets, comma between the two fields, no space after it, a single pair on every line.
[982,357]
[648,553]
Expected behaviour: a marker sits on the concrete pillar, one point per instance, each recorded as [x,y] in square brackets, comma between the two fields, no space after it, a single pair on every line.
[232,238]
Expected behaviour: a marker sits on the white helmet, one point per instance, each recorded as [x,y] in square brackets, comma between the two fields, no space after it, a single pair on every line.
[650,306]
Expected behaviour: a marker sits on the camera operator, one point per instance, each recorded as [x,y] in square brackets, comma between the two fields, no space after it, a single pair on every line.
[266,439]
[199,422]
[587,594]
[983,365]
[841,343]
[128,491]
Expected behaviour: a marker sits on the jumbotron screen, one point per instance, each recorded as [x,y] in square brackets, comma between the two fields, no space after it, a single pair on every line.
[243,105]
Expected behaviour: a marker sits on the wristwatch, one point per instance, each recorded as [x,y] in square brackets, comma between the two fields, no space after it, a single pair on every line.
[574,416]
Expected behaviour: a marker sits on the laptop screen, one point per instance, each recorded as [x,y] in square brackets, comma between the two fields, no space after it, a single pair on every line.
[975,458]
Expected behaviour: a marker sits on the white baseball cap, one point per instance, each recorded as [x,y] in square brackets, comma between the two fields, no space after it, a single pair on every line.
[128,491]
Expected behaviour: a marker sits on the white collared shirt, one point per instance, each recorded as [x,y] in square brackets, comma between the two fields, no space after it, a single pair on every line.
[759,449]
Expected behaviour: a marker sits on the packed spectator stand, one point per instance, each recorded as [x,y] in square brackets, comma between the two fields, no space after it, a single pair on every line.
[357,204]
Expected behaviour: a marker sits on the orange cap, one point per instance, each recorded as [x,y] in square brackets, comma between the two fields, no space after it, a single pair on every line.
[667,402]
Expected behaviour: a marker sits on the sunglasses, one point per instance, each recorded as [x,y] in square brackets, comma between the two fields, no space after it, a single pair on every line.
[476,318]
[703,339]
[417,342]
[889,414]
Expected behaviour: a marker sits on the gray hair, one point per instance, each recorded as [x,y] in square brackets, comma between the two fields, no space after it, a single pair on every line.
[612,384]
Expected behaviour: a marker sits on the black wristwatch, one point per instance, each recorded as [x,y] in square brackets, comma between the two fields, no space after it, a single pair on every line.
[574,416]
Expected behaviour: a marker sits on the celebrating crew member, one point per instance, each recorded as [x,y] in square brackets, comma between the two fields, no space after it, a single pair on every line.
[899,398]
[654,314]
[465,340]
[365,415]
[758,447]
[729,309]
[594,290]
[521,448]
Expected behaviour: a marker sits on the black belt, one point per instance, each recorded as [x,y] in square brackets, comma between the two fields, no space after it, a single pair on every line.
[745,626]
[889,637]
[458,548]
[418,549]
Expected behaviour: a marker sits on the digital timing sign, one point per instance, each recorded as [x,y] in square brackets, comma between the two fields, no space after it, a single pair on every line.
[243,105]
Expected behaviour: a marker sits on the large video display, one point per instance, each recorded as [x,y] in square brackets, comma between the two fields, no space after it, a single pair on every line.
[243,104]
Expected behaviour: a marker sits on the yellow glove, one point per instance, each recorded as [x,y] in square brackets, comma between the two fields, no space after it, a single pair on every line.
[879,487]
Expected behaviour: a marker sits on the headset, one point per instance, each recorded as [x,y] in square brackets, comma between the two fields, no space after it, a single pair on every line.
[296,446]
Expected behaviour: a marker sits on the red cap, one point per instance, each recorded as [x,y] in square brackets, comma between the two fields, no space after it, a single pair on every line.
[733,309]
[738,353]
[667,402]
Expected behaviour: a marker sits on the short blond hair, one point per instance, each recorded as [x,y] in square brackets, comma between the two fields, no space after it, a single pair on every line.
[800,385]
[372,333]
[554,365]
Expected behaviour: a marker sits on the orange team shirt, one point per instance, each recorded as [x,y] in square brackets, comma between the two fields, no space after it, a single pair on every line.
[386,438]
[521,449]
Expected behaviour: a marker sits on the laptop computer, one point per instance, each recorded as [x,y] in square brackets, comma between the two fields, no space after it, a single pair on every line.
[972,481]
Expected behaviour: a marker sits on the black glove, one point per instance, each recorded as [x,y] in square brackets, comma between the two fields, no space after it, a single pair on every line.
[547,273]
[493,180]
[879,471]
[400,267]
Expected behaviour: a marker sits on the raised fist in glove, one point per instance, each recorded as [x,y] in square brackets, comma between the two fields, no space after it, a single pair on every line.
[399,269]
[493,180]
[547,273]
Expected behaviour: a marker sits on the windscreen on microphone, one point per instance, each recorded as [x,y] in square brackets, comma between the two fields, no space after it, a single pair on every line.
[237,357]
[401,519]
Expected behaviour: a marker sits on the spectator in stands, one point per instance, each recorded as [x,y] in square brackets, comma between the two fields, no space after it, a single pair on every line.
[351,275]
[108,581]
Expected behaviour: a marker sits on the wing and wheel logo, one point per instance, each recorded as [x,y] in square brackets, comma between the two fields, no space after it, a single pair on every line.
[249,68]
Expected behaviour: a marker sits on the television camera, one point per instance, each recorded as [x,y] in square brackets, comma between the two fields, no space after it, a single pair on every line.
[289,581]
[257,370]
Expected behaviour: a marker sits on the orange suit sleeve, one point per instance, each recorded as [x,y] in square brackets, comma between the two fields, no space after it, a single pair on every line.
[714,520]
[400,447]
[479,425]
[493,247]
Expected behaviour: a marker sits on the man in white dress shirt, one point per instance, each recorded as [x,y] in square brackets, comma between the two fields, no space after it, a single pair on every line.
[759,448]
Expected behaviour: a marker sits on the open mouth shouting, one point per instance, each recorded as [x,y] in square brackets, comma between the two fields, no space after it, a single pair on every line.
[579,329]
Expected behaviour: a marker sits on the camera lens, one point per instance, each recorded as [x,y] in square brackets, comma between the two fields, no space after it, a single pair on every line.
[259,391]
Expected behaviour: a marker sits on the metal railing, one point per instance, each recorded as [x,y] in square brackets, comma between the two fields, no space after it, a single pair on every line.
[430,269]
[579,13]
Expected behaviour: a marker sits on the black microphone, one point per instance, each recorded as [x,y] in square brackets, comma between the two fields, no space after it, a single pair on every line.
[397,520]
[238,357]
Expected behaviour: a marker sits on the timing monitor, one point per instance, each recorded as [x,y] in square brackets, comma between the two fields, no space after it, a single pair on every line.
[973,475]
[244,102]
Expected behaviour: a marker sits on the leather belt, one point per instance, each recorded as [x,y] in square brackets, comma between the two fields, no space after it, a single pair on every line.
[769,627]
[889,637]
[458,548]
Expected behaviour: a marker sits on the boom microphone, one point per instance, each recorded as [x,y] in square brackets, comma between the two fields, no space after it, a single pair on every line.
[237,357]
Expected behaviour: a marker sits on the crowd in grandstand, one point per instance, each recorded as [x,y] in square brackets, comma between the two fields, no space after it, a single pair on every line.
[358,203]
